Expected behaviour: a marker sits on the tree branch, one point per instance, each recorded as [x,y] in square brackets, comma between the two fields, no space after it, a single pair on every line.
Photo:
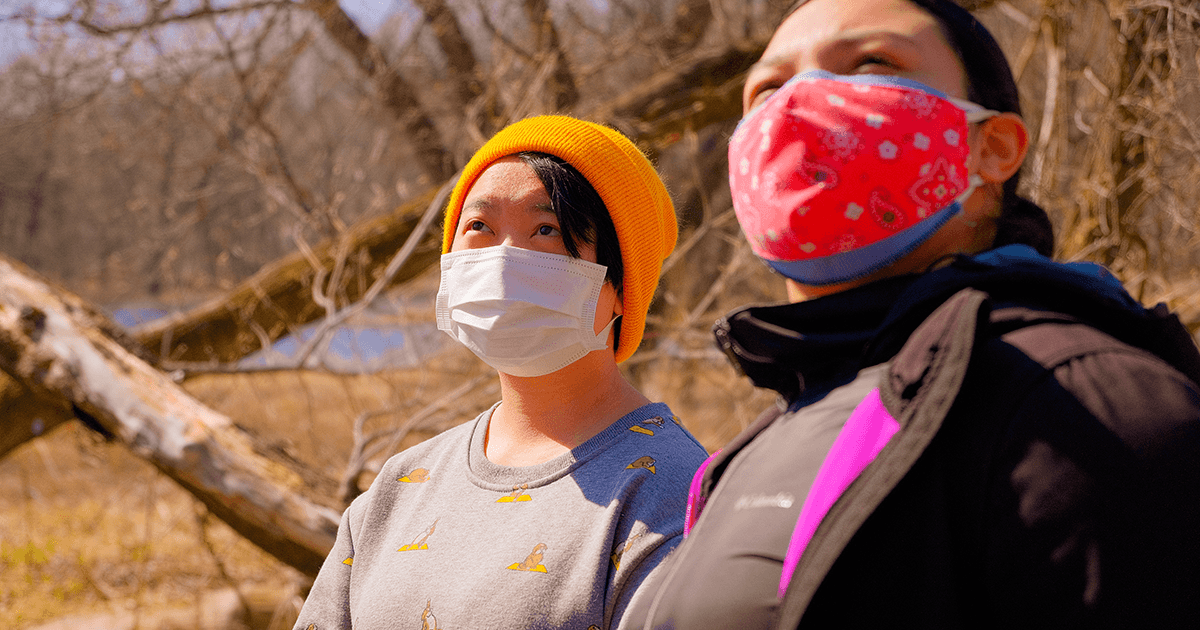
[277,297]
[86,19]
[703,89]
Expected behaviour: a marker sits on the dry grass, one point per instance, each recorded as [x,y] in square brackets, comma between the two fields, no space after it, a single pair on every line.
[87,527]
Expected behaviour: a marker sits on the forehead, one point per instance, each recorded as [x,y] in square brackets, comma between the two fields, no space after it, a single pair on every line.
[848,15]
[825,33]
[508,178]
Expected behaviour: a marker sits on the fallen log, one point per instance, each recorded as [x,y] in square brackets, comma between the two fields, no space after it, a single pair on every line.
[55,350]
[23,415]
[274,301]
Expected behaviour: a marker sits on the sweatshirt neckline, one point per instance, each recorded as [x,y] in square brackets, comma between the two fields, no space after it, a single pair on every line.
[492,476]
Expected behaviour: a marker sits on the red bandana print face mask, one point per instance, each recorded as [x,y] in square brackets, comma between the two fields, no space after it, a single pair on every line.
[835,177]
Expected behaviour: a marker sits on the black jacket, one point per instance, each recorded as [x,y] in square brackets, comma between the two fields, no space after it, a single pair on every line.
[1046,472]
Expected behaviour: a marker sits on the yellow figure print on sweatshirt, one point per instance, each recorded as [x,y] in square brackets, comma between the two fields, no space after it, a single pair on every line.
[418,475]
[428,621]
[419,543]
[620,551]
[643,427]
[517,495]
[532,562]
[646,462]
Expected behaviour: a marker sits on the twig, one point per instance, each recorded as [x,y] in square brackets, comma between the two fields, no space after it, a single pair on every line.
[499,35]
[696,237]
[1053,64]
[362,451]
[534,88]
[202,517]
[1030,44]
[156,19]
[718,287]
[336,317]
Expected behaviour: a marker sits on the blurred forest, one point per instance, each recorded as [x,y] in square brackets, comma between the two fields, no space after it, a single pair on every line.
[256,167]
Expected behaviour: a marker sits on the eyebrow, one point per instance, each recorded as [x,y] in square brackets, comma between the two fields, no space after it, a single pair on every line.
[485,203]
[768,63]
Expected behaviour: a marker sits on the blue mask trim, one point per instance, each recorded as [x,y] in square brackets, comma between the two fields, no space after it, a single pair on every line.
[860,79]
[867,79]
[865,260]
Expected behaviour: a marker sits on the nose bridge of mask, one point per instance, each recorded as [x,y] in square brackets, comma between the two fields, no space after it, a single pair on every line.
[973,111]
[505,274]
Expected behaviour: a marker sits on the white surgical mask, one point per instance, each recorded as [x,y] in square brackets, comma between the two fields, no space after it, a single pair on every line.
[523,312]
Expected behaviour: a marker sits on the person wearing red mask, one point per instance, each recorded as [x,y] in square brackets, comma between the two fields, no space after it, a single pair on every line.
[969,434]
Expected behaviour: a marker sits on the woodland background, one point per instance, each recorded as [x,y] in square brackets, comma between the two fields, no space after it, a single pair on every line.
[256,167]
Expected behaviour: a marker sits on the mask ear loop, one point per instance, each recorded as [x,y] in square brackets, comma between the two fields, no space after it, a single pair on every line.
[975,113]
[601,340]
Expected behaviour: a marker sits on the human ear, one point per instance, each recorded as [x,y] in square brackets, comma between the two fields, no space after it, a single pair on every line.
[1001,144]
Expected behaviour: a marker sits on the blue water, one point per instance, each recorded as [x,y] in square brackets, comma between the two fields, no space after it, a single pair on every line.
[349,349]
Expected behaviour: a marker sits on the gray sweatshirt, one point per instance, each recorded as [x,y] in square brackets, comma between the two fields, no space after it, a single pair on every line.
[446,539]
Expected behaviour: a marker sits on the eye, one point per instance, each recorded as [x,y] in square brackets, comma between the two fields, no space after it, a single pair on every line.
[476,225]
[763,81]
[874,64]
[759,96]
[547,230]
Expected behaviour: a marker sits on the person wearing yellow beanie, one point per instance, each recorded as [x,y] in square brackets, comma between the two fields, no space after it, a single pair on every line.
[552,507]
[635,197]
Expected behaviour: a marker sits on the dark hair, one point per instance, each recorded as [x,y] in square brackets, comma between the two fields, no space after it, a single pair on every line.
[990,83]
[582,215]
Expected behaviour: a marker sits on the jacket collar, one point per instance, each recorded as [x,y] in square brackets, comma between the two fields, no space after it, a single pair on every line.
[792,348]
[807,347]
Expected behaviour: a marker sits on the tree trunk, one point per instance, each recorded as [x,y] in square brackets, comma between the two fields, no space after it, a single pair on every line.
[398,95]
[560,88]
[464,70]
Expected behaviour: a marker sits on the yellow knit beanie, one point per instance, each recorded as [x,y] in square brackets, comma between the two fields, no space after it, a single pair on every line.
[636,199]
